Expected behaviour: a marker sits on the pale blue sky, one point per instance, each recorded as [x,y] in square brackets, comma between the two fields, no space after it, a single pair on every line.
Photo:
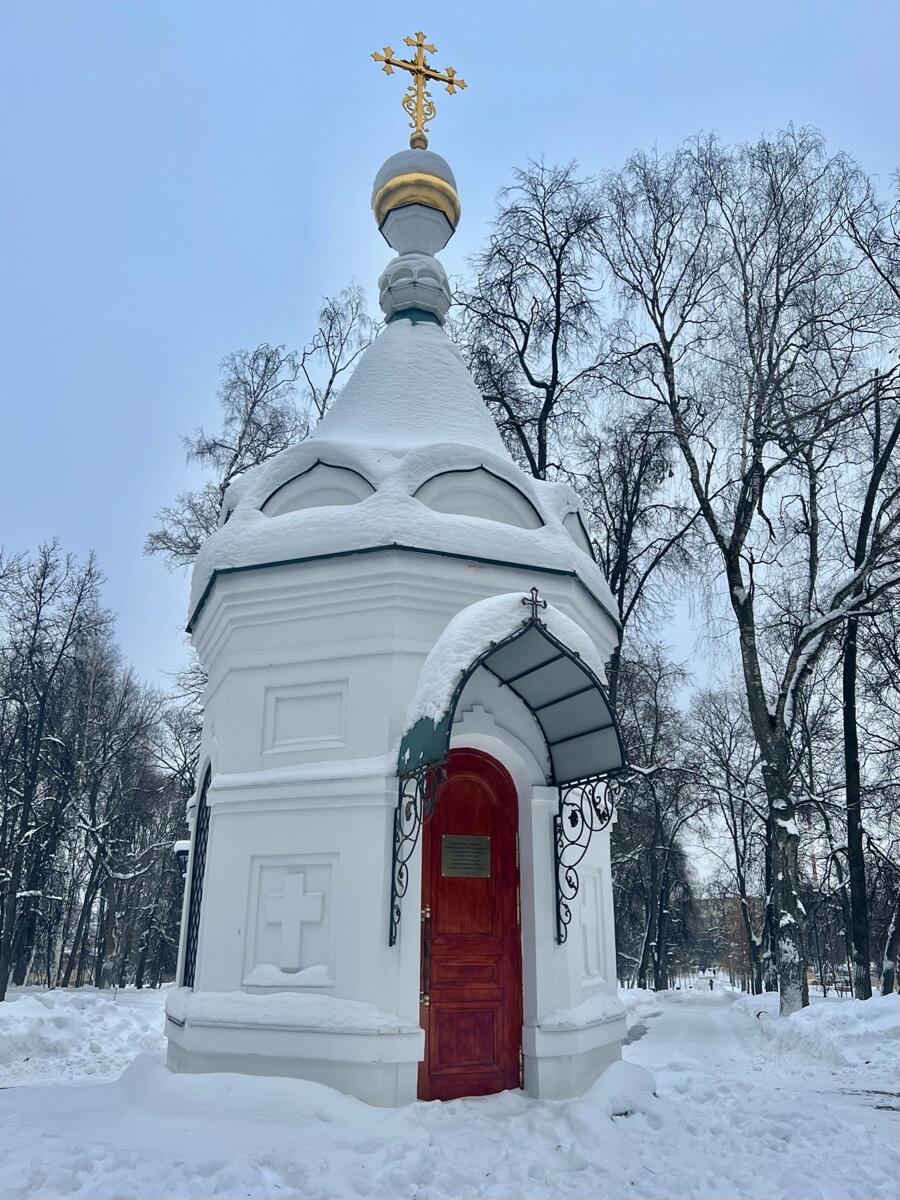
[182,179]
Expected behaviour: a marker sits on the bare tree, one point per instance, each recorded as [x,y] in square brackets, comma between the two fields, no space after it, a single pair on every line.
[751,326]
[638,521]
[877,235]
[726,761]
[344,330]
[259,418]
[49,601]
[656,806]
[876,535]
[89,806]
[262,415]
[529,322]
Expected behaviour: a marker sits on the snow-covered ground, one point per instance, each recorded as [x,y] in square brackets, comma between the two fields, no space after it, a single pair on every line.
[77,1035]
[746,1106]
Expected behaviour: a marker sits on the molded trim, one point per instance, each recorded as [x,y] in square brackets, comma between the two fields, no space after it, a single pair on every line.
[559,572]
[320,462]
[587,537]
[487,471]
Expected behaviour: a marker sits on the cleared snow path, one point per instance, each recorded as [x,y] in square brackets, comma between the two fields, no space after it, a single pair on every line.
[741,1112]
[767,1114]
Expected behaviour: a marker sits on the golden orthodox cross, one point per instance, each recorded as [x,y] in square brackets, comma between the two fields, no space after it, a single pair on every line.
[417,101]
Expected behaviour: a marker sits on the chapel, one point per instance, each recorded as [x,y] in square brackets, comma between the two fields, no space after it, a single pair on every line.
[398,881]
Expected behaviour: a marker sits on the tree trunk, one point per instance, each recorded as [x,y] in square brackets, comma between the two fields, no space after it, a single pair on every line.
[891,952]
[660,954]
[9,918]
[650,930]
[751,941]
[100,943]
[770,975]
[856,862]
[24,944]
[788,912]
[612,675]
[106,976]
[125,953]
[78,942]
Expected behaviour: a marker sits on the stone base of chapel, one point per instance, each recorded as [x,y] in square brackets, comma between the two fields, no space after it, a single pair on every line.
[379,1069]
[561,1063]
[382,1069]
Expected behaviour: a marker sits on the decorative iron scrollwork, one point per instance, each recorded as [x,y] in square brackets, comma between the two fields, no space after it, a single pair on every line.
[415,804]
[585,808]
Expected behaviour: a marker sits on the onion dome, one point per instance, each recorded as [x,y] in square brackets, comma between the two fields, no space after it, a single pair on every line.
[408,455]
[416,177]
[417,209]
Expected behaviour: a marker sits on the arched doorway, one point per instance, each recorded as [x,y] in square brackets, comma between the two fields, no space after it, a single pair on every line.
[471,1007]
[549,663]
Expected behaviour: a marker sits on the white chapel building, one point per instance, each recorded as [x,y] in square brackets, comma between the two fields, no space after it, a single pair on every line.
[399,874]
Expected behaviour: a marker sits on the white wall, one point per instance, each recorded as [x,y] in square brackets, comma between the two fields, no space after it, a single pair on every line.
[311,669]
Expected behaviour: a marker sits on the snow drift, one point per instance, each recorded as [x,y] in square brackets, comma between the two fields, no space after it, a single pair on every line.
[77,1033]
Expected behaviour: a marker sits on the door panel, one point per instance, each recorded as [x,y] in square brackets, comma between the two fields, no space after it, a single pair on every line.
[471,943]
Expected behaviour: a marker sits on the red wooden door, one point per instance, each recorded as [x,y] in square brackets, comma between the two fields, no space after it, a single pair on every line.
[471,943]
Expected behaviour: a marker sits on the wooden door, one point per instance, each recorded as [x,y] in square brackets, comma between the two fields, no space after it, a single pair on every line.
[471,943]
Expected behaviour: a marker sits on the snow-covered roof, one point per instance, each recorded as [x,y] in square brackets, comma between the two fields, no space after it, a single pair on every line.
[547,660]
[411,388]
[405,162]
[410,412]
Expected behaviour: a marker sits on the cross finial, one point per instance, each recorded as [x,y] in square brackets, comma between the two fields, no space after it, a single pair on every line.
[535,603]
[417,100]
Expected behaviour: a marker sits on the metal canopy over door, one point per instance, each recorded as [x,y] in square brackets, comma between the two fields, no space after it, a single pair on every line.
[562,692]
[579,730]
[471,1003]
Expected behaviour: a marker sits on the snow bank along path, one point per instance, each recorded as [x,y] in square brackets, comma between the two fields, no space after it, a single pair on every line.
[737,1115]
[77,1033]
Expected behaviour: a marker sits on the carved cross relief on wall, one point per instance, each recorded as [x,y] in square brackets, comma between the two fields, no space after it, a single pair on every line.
[291,909]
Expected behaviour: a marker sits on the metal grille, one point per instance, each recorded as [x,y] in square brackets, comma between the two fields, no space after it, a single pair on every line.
[198,867]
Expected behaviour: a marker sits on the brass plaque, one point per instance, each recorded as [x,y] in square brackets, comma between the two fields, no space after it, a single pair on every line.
[466,856]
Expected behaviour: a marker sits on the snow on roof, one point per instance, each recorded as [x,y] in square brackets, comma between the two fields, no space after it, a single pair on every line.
[301,1010]
[404,162]
[470,633]
[411,388]
[410,411]
[392,516]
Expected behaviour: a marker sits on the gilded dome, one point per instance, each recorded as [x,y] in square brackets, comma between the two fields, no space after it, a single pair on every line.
[415,177]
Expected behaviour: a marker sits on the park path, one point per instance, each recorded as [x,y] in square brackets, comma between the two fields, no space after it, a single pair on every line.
[695,1033]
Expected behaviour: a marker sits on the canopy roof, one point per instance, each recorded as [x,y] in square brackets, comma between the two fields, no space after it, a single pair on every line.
[560,689]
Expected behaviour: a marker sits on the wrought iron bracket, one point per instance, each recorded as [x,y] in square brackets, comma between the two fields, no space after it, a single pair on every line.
[416,800]
[585,808]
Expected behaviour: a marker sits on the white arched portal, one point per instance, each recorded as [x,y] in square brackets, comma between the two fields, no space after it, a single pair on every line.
[468,698]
